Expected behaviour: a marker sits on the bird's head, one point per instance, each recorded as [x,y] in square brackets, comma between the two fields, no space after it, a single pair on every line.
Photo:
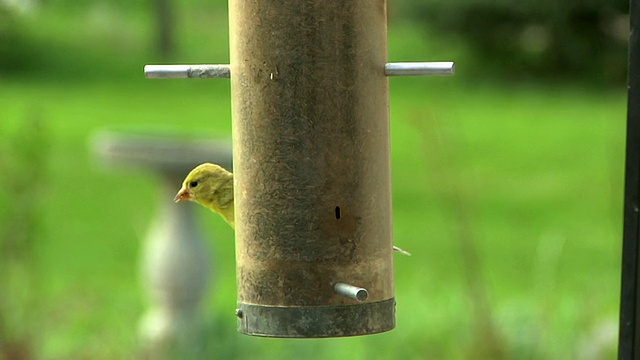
[202,183]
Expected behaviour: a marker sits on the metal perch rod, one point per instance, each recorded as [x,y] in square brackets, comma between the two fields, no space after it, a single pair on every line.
[224,71]
[419,68]
[354,292]
[187,71]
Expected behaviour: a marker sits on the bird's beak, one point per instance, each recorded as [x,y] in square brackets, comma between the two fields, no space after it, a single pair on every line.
[182,195]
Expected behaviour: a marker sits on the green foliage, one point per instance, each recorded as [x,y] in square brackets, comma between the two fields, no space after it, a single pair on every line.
[18,47]
[24,181]
[541,39]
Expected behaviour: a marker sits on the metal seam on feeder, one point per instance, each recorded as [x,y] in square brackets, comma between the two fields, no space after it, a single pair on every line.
[419,68]
[325,321]
[354,292]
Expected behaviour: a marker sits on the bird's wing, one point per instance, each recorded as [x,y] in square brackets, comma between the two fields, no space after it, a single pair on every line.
[225,194]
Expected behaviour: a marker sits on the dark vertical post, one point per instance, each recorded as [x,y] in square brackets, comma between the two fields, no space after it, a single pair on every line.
[311,167]
[629,324]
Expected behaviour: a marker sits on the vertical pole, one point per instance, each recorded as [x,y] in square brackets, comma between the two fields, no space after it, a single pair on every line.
[311,166]
[629,322]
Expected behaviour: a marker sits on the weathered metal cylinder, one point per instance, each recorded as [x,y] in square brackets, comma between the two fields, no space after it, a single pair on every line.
[311,167]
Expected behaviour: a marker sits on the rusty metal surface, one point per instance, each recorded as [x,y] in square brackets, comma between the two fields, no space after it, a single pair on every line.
[311,151]
[325,321]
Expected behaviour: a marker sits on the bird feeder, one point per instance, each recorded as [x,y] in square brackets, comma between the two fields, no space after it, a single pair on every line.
[310,100]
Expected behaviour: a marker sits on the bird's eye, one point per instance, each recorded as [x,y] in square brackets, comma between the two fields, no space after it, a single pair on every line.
[193,184]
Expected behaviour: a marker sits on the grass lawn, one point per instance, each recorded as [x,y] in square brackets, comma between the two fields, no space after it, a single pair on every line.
[509,196]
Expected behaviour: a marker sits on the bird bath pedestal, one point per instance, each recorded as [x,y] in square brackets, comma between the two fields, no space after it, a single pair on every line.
[175,261]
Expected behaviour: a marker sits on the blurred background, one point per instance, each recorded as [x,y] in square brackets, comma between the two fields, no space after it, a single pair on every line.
[507,179]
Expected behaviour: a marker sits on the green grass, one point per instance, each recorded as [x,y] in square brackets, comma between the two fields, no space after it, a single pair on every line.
[532,173]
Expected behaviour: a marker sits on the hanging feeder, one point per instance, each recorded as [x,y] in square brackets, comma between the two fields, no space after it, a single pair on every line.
[310,100]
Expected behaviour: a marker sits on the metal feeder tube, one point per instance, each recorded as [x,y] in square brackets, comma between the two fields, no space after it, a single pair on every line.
[312,166]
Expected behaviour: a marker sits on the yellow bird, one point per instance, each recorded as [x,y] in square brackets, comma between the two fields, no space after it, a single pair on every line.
[212,186]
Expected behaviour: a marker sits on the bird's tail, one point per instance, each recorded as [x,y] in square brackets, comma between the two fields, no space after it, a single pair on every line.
[395,248]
